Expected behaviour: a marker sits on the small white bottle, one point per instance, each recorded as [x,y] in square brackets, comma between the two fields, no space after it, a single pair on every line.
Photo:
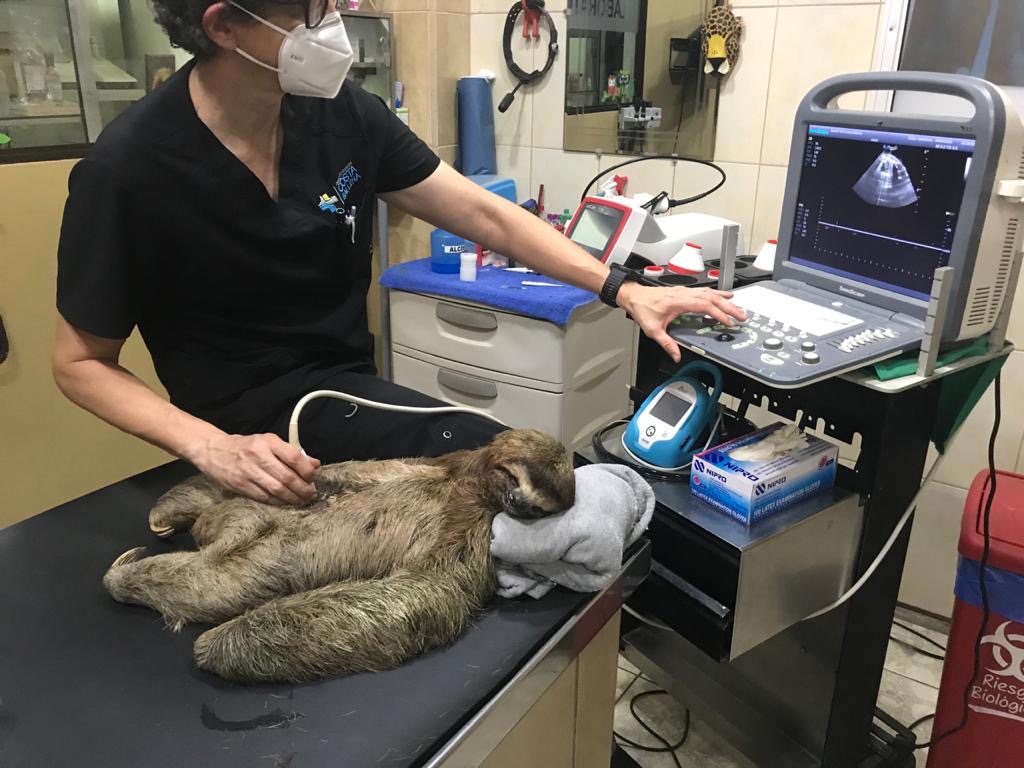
[467,267]
[54,86]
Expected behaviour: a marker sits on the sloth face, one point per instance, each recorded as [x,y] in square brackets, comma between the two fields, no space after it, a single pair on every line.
[533,475]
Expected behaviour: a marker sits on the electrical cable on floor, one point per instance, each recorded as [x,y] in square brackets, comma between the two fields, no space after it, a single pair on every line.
[668,748]
[986,611]
[920,721]
[921,635]
[915,649]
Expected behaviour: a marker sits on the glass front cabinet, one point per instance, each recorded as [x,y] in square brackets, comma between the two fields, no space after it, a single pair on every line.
[69,67]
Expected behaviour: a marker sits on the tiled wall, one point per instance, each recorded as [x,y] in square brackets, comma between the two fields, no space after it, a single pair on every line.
[432,51]
[788,46]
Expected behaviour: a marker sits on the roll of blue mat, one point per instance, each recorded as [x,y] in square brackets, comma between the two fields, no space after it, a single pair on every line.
[477,153]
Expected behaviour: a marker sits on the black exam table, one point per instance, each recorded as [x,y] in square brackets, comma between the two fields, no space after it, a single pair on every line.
[85,681]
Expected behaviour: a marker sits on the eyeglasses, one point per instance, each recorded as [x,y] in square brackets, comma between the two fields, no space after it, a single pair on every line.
[313,11]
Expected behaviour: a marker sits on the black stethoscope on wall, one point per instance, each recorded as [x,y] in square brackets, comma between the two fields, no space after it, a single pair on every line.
[521,75]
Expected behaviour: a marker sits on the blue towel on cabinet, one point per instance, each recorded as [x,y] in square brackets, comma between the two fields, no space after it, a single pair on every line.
[493,287]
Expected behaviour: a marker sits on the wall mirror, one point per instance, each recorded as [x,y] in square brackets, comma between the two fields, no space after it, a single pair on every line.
[626,59]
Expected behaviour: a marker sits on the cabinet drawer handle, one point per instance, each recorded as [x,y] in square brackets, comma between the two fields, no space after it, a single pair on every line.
[467,385]
[467,318]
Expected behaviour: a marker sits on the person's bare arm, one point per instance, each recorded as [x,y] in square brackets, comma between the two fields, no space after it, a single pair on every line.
[262,467]
[450,201]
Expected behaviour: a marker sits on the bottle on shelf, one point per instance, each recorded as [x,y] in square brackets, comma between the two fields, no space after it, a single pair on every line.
[32,71]
[5,96]
[54,86]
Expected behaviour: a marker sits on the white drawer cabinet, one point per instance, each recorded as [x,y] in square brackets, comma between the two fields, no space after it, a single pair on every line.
[527,372]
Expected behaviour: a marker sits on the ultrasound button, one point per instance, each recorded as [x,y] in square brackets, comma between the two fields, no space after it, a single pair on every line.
[785,355]
[709,320]
[724,337]
[778,334]
[811,358]
[651,431]
[771,360]
[773,344]
[808,346]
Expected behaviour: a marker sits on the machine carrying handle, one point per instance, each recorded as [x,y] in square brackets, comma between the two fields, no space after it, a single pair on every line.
[981,94]
[687,371]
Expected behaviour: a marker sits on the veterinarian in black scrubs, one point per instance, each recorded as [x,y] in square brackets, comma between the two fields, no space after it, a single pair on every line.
[228,216]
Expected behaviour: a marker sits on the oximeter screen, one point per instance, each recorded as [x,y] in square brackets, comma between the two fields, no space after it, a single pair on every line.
[670,409]
[595,227]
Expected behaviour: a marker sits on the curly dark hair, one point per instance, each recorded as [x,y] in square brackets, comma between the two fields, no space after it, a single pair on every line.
[182,20]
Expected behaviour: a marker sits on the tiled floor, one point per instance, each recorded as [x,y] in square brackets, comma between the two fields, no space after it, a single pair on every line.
[909,691]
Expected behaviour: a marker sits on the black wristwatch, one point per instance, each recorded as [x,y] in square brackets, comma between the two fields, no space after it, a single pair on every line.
[616,277]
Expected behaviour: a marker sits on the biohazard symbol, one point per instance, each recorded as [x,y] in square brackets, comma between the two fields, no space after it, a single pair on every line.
[1006,653]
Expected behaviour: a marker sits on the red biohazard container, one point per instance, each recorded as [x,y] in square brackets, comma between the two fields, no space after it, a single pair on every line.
[994,734]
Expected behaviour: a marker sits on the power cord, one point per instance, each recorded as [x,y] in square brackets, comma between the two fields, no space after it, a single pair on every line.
[986,611]
[521,75]
[677,475]
[668,748]
[910,630]
[663,197]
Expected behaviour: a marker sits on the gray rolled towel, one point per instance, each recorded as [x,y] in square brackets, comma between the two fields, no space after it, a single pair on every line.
[580,549]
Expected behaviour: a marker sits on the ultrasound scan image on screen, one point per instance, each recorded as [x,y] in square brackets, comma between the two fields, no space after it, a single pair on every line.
[879,207]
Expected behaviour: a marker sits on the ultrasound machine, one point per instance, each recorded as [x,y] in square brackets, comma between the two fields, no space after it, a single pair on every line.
[875,205]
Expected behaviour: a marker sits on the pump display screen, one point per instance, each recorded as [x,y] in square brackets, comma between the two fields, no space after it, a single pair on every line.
[595,227]
[670,409]
[879,207]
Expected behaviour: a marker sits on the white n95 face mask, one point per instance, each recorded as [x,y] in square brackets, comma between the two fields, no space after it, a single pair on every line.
[312,62]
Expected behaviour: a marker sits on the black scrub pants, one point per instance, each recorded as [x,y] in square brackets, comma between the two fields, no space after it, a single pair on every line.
[334,430]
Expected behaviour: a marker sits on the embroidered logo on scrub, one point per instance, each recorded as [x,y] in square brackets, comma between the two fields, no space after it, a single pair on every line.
[347,180]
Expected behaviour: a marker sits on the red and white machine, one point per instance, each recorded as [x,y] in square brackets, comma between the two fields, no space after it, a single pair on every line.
[619,230]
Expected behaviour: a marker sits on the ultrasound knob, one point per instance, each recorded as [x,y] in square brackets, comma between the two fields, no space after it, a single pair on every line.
[808,346]
[772,344]
[811,358]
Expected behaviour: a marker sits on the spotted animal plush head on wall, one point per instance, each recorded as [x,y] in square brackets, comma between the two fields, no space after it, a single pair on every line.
[721,40]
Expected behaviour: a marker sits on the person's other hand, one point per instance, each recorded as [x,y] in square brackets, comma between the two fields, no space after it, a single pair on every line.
[654,309]
[261,467]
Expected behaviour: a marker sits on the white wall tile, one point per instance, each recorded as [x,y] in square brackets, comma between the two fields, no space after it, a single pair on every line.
[771,184]
[813,45]
[967,454]
[516,125]
[930,570]
[514,162]
[741,106]
[549,95]
[563,175]
[735,200]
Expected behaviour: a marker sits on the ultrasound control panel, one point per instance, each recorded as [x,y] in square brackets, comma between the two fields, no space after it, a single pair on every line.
[794,337]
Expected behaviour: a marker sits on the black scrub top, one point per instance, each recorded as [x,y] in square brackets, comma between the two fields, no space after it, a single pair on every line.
[245,303]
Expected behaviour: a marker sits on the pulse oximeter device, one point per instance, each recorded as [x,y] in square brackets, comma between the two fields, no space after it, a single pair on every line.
[674,420]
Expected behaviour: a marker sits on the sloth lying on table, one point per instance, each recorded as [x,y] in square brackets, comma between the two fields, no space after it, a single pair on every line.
[390,561]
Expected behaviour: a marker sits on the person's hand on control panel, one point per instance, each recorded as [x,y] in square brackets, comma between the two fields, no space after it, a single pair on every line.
[654,309]
[261,467]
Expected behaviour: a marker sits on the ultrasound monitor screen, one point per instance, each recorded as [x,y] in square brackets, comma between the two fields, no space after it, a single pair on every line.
[879,207]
